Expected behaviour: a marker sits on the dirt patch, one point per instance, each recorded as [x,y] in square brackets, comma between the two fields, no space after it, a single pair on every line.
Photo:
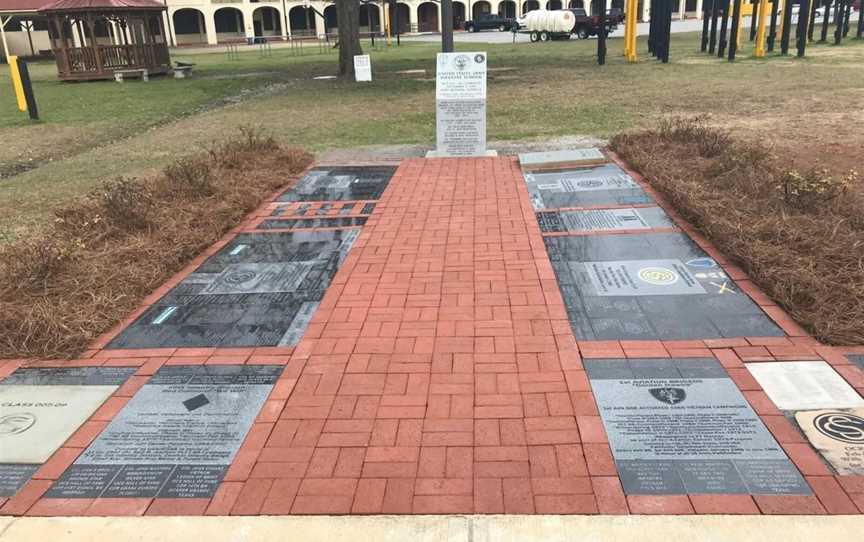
[799,233]
[107,251]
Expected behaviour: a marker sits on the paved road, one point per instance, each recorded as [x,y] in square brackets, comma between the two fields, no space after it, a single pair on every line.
[690,25]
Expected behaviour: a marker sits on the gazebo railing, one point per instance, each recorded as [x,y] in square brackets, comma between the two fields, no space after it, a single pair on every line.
[104,58]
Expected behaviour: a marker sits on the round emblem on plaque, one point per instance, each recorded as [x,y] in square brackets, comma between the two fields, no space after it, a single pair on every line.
[658,276]
[478,58]
[461,61]
[14,424]
[239,277]
[841,426]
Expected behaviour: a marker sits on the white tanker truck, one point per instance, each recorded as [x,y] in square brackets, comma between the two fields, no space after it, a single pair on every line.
[543,25]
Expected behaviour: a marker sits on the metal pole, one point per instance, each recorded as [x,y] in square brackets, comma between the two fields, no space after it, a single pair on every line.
[447,26]
[803,13]
[762,15]
[860,33]
[847,18]
[811,22]
[703,46]
[724,24]
[715,12]
[753,16]
[838,21]
[787,27]
[825,18]
[733,39]
[601,33]
[24,73]
[772,29]
[667,31]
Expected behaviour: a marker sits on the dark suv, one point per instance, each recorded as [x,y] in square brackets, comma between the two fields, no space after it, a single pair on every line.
[489,21]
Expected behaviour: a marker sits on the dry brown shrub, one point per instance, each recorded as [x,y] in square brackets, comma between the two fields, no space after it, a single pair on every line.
[800,235]
[109,250]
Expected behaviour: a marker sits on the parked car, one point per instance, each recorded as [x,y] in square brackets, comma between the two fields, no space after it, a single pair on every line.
[589,25]
[489,21]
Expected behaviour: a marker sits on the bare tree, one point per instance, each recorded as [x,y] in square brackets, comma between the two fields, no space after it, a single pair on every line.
[348,17]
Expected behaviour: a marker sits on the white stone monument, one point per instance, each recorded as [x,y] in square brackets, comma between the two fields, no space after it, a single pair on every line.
[362,68]
[460,98]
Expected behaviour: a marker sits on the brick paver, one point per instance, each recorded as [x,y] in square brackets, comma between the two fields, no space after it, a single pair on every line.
[440,375]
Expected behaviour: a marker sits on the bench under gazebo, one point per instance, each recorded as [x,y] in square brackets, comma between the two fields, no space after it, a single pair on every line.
[96,39]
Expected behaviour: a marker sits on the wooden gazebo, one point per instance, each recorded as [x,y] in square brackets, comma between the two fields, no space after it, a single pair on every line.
[94,39]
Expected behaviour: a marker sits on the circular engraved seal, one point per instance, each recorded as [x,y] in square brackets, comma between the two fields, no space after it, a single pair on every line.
[479,58]
[461,61]
[659,276]
[15,424]
[239,277]
[841,426]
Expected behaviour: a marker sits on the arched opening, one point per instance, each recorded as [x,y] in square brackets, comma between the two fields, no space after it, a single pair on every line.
[577,4]
[507,8]
[267,22]
[530,5]
[400,18]
[458,15]
[189,27]
[479,8]
[370,20]
[552,5]
[427,17]
[302,21]
[229,24]
[331,22]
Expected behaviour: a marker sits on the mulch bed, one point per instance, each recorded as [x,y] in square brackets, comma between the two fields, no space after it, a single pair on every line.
[106,252]
[800,235]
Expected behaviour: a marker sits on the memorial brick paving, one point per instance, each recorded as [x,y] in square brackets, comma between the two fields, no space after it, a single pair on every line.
[440,373]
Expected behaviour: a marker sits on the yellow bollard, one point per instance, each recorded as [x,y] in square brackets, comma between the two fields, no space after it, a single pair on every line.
[17,85]
[760,28]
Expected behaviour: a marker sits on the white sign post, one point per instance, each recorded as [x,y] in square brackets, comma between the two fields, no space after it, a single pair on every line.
[460,98]
[362,68]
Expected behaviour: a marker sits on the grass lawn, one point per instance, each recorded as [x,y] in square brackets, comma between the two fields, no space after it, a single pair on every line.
[809,108]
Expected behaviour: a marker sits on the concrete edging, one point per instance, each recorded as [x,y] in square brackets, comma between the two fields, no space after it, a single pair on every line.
[433,528]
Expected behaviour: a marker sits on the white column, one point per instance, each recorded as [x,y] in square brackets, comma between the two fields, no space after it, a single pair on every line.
[320,27]
[412,18]
[681,7]
[699,9]
[210,28]
[168,23]
[438,7]
[646,11]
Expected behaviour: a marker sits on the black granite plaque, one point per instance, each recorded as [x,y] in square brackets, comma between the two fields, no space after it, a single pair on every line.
[650,286]
[13,476]
[259,290]
[682,426]
[306,223]
[175,438]
[627,218]
[584,187]
[68,376]
[341,183]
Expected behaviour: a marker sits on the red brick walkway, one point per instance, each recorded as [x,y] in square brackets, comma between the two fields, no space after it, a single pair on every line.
[440,375]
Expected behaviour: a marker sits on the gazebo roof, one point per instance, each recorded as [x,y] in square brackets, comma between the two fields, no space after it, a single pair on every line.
[100,5]
[21,6]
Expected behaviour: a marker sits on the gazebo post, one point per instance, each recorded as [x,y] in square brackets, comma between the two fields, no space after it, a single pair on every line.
[3,22]
[97,51]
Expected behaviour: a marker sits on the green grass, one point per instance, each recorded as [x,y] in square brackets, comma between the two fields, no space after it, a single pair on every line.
[93,131]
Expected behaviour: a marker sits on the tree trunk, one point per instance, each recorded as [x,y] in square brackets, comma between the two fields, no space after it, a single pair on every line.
[348,17]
